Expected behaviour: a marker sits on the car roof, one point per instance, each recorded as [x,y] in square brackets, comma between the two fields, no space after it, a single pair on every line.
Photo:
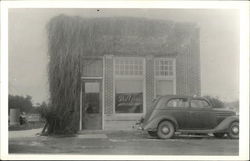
[181,96]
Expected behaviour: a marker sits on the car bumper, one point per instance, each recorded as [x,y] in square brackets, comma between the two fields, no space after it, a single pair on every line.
[139,124]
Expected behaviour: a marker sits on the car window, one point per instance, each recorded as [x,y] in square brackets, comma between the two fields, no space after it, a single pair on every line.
[178,102]
[198,103]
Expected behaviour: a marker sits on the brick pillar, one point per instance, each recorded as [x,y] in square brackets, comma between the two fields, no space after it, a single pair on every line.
[149,80]
[108,84]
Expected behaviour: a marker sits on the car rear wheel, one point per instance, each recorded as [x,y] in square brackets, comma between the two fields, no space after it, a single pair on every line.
[165,130]
[233,131]
[219,135]
[152,133]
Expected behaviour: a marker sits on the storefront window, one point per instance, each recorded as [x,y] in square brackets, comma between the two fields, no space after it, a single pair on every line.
[129,85]
[129,96]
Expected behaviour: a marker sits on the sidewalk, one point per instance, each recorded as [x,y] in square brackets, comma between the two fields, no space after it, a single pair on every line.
[98,134]
[88,134]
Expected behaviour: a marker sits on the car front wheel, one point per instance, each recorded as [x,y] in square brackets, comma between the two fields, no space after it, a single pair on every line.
[233,131]
[165,130]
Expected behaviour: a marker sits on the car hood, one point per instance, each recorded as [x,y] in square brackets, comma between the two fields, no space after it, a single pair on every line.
[224,112]
[223,109]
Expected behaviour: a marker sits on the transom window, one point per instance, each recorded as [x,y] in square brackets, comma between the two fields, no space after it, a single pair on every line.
[128,66]
[164,67]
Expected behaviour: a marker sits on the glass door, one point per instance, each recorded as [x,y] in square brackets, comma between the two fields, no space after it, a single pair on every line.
[92,104]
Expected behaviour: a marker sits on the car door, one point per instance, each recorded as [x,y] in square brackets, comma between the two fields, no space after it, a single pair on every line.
[178,108]
[200,115]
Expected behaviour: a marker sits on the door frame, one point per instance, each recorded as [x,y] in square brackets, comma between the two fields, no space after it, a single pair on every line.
[100,79]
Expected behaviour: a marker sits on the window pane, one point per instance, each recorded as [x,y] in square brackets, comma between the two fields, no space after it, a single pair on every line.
[128,66]
[129,96]
[91,96]
[179,102]
[92,87]
[199,103]
[163,67]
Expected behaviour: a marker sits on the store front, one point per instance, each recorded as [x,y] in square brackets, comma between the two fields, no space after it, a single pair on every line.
[118,65]
[116,91]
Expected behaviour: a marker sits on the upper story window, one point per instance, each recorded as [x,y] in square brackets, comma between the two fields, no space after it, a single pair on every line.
[128,66]
[164,67]
[199,103]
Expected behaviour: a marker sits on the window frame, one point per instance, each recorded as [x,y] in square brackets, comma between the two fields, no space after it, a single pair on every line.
[130,77]
[142,71]
[205,107]
[166,103]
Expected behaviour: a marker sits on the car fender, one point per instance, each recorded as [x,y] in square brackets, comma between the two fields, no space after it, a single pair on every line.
[223,126]
[153,124]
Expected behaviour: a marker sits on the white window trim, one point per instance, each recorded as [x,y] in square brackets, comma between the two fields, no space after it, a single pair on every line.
[173,77]
[130,77]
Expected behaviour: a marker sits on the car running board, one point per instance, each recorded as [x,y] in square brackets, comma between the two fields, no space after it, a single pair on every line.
[197,131]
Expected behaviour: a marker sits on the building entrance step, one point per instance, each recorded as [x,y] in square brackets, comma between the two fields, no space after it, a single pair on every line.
[91,132]
[92,136]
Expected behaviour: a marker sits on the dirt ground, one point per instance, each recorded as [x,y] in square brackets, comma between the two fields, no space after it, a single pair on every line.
[119,143]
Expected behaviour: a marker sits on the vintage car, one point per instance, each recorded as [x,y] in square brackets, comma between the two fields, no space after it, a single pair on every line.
[185,114]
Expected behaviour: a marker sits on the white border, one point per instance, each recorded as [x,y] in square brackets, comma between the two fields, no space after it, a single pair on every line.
[244,70]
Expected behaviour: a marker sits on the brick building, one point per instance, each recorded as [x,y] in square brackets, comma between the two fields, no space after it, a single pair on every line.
[133,62]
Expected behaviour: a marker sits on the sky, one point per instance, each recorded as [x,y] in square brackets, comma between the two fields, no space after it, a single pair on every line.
[219,46]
